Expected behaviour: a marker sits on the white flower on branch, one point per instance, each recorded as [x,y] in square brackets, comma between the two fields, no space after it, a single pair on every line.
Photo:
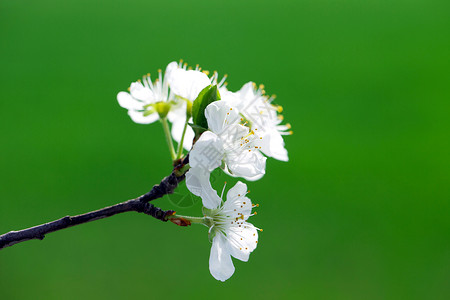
[147,100]
[230,232]
[228,144]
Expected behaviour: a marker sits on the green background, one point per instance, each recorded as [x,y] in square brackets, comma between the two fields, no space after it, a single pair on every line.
[361,211]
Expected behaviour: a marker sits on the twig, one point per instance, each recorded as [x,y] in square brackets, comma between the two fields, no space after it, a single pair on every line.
[140,205]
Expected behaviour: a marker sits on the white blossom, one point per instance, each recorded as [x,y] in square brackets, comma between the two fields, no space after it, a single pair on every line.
[228,144]
[145,97]
[230,232]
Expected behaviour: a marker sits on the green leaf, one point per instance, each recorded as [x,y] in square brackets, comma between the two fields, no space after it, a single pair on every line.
[208,95]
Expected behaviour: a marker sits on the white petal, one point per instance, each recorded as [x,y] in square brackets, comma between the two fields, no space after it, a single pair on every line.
[242,240]
[248,165]
[197,181]
[220,115]
[188,84]
[169,70]
[140,92]
[207,152]
[138,117]
[220,264]
[237,202]
[272,145]
[247,92]
[238,190]
[126,101]
[232,99]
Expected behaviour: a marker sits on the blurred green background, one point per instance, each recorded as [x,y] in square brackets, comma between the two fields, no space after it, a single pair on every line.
[361,211]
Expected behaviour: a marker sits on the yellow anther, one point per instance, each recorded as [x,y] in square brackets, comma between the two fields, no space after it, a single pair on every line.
[280,108]
[128,88]
[281,117]
[291,132]
[139,80]
[261,86]
[159,70]
[206,72]
[288,126]
[148,74]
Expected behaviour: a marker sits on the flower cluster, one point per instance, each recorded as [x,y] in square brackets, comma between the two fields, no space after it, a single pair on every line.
[233,131]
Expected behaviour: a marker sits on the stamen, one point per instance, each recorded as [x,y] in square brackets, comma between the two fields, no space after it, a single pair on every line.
[223,190]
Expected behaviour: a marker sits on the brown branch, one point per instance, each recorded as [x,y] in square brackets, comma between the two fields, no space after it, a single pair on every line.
[140,205]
